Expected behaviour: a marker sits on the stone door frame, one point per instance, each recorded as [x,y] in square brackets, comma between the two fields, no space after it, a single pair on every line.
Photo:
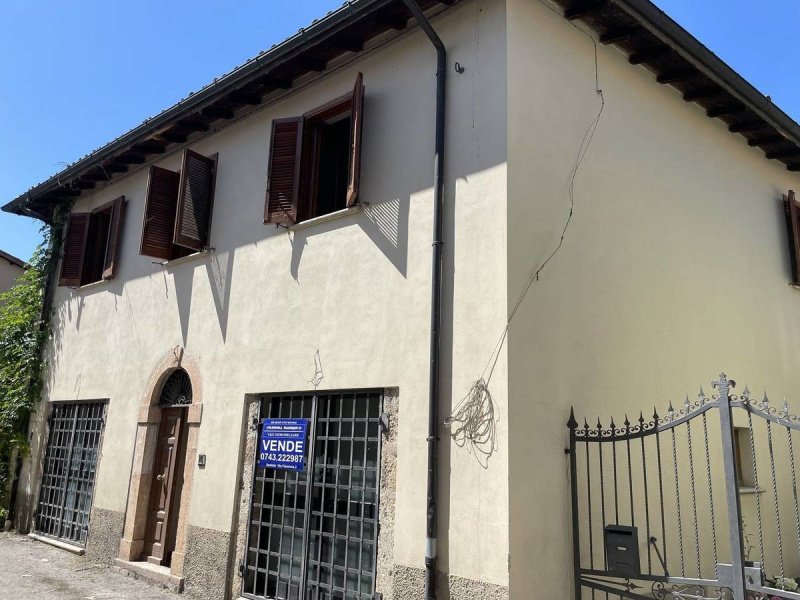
[149,420]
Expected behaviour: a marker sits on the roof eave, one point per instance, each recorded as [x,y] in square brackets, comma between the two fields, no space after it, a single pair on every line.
[340,28]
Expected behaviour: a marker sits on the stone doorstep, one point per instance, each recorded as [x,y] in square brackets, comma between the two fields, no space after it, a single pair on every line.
[155,573]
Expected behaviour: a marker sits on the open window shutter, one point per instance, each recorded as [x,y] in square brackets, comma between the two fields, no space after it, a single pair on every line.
[356,126]
[283,189]
[159,213]
[195,201]
[793,231]
[74,248]
[114,232]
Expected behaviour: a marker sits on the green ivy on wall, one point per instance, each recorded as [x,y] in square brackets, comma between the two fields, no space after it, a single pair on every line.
[24,320]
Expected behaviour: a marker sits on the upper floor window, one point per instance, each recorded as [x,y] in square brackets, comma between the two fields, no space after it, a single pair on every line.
[177,214]
[315,160]
[91,244]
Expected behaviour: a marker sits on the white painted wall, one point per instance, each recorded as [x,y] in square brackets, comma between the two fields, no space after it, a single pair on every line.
[357,289]
[674,268]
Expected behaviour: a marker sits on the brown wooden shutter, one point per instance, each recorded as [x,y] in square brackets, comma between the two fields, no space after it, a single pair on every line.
[74,249]
[114,232]
[195,201]
[793,232]
[356,126]
[283,189]
[159,213]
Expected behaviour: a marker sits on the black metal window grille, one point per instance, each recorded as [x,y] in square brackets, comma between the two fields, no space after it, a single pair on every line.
[316,538]
[70,465]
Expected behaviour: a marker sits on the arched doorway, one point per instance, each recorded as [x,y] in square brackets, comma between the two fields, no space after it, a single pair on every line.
[169,463]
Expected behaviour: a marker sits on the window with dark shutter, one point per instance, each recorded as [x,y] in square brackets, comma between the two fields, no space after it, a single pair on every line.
[283,188]
[315,160]
[116,221]
[356,125]
[793,233]
[74,246]
[177,214]
[159,213]
[195,201]
[91,244]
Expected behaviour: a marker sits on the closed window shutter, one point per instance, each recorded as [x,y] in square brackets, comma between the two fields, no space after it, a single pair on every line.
[74,249]
[114,233]
[356,126]
[283,190]
[195,201]
[793,231]
[159,213]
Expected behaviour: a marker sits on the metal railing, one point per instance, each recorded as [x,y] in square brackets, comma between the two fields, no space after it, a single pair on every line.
[711,486]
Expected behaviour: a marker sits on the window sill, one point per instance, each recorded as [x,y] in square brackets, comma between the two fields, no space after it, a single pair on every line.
[90,286]
[325,218]
[183,259]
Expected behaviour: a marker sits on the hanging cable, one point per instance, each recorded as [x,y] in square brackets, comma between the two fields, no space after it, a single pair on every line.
[469,420]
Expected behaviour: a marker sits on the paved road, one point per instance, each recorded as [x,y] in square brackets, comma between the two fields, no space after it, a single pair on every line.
[30,569]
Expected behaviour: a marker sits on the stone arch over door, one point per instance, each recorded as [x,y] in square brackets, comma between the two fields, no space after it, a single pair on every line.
[148,422]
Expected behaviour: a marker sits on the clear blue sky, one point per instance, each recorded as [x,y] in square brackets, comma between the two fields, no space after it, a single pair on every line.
[75,75]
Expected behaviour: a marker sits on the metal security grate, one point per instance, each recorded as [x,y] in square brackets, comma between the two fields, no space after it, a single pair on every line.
[70,464]
[316,538]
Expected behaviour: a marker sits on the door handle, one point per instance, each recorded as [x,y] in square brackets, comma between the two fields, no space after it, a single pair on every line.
[160,477]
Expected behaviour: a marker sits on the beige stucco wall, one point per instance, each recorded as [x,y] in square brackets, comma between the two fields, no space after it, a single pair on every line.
[357,289]
[8,274]
[674,268]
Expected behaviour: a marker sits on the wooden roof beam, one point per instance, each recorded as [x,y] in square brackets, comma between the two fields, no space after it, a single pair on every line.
[702,93]
[133,158]
[348,44]
[174,136]
[613,36]
[725,110]
[582,8]
[747,126]
[80,184]
[193,124]
[246,98]
[765,140]
[676,75]
[151,146]
[398,22]
[217,112]
[649,55]
[786,153]
[311,63]
[98,174]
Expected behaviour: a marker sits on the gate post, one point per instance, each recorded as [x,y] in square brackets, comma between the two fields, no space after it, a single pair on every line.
[576,551]
[723,385]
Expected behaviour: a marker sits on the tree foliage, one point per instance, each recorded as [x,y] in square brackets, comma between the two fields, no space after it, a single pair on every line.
[23,333]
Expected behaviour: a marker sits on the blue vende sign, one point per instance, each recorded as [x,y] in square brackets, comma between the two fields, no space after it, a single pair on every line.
[283,444]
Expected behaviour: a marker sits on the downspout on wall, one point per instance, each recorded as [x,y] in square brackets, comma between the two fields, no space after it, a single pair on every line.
[436,301]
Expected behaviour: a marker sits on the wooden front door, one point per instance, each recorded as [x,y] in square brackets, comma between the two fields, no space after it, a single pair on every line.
[165,491]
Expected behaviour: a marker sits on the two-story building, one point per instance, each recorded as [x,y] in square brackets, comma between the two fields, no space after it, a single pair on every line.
[257,258]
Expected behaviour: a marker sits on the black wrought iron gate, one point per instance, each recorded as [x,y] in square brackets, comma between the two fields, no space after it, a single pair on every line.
[70,464]
[698,502]
[313,534]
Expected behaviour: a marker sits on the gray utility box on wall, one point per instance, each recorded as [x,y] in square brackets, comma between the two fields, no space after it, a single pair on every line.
[622,549]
